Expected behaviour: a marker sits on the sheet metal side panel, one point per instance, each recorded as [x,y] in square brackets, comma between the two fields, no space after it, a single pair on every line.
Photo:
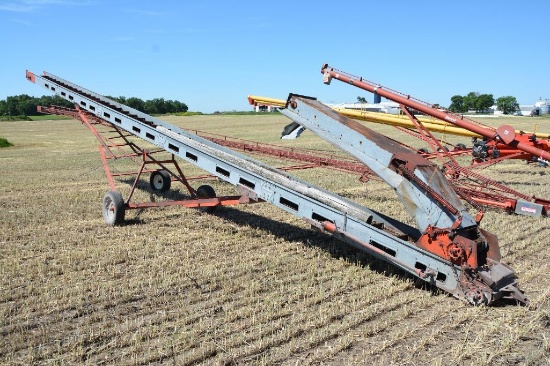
[105,99]
[353,133]
[420,207]
[113,112]
[159,139]
[273,187]
[152,135]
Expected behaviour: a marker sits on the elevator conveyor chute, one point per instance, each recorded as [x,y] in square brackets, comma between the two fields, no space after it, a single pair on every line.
[447,248]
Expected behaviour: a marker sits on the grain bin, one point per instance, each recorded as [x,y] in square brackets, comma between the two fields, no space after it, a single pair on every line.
[544,106]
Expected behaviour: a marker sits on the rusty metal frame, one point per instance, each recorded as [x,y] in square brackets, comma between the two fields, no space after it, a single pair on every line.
[347,220]
[485,191]
[472,187]
[505,135]
[445,228]
[144,158]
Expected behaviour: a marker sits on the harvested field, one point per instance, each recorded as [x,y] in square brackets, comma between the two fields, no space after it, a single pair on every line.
[247,285]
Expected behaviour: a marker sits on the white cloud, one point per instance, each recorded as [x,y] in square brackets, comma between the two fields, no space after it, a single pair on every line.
[123,39]
[17,7]
[21,21]
[145,12]
[57,2]
[155,31]
[26,6]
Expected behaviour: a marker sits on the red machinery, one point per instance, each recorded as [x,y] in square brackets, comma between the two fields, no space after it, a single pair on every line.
[115,144]
[500,143]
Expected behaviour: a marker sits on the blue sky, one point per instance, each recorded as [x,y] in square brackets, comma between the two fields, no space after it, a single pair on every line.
[211,54]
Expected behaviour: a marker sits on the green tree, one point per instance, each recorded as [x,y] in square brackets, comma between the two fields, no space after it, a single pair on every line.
[170,106]
[149,107]
[57,100]
[135,103]
[175,106]
[484,102]
[12,104]
[470,101]
[25,105]
[160,105]
[457,104]
[507,104]
[179,106]
[361,100]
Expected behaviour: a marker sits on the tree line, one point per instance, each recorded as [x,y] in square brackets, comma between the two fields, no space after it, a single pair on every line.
[474,101]
[152,106]
[25,105]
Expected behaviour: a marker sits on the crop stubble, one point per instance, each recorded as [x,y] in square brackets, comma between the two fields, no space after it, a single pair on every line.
[250,284]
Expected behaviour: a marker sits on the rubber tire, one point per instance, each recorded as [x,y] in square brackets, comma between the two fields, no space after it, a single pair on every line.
[459,147]
[160,181]
[206,191]
[113,208]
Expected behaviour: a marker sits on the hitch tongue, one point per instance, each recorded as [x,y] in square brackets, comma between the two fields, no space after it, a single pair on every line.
[502,281]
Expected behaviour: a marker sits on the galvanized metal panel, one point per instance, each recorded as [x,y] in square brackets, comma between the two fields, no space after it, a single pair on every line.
[377,152]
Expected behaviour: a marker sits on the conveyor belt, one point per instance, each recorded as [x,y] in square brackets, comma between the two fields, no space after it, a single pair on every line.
[368,230]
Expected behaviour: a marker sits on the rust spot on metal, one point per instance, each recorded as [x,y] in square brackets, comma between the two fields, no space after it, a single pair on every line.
[30,76]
